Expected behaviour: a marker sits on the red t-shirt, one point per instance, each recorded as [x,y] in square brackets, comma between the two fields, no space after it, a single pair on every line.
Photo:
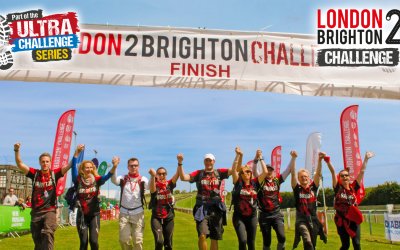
[88,196]
[209,185]
[268,195]
[345,198]
[245,197]
[306,199]
[163,199]
[44,192]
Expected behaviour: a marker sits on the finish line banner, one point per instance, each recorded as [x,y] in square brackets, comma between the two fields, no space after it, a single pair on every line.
[13,219]
[181,58]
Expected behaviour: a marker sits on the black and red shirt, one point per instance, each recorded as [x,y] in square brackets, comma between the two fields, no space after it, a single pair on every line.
[244,197]
[163,198]
[208,183]
[306,199]
[344,198]
[268,195]
[88,196]
[44,191]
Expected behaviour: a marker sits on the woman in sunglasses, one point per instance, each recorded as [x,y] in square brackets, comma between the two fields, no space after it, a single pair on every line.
[244,200]
[162,201]
[88,183]
[348,217]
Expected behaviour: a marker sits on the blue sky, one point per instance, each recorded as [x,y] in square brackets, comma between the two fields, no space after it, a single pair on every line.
[154,124]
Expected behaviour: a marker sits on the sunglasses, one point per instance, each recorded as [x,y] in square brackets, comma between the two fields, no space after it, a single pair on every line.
[134,165]
[344,175]
[164,173]
[246,172]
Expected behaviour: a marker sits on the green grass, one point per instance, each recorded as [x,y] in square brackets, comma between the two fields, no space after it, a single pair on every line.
[185,237]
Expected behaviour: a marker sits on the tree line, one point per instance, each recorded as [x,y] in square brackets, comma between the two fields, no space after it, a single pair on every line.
[386,193]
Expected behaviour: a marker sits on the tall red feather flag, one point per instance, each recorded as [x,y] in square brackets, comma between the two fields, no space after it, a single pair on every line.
[62,146]
[276,160]
[351,146]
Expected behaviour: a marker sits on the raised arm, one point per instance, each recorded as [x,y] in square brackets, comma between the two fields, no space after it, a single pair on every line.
[260,160]
[237,163]
[292,163]
[182,175]
[115,179]
[327,159]
[73,163]
[317,175]
[286,172]
[24,168]
[175,177]
[152,183]
[115,161]
[368,155]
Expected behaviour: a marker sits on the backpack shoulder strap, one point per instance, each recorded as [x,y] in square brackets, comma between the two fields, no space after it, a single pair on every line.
[34,180]
[53,178]
[216,173]
[141,186]
[201,174]
[122,183]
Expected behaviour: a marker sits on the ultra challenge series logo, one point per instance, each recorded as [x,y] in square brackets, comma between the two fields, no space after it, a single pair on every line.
[49,38]
[356,37]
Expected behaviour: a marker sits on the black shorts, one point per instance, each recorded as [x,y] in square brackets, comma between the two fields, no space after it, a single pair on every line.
[211,225]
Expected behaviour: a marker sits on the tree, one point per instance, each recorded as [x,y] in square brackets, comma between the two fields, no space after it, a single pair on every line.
[387,193]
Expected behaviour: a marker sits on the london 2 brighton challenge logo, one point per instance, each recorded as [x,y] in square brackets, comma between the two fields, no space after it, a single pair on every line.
[358,37]
[48,38]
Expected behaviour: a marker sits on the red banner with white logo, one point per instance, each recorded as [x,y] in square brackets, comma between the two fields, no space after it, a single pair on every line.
[62,146]
[351,146]
[276,160]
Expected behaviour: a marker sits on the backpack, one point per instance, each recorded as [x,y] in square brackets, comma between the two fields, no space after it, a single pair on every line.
[71,196]
[198,183]
[52,177]
[141,186]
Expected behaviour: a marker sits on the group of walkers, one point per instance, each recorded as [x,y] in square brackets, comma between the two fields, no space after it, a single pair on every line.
[255,192]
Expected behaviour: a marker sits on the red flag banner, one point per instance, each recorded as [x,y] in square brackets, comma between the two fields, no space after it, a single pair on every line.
[276,160]
[62,146]
[350,146]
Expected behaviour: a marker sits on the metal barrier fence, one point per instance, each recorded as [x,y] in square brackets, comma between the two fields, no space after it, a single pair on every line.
[370,216]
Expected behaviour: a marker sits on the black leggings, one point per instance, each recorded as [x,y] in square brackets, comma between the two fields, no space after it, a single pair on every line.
[277,223]
[246,228]
[91,225]
[345,237]
[163,230]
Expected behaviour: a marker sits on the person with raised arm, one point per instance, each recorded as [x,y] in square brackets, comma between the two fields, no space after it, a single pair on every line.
[44,199]
[132,202]
[305,195]
[244,200]
[88,183]
[162,205]
[348,217]
[270,215]
[209,211]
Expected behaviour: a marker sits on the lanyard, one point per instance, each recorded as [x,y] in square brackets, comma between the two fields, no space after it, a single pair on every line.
[135,180]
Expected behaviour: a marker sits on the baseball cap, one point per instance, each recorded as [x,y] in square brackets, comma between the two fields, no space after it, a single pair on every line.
[269,166]
[209,156]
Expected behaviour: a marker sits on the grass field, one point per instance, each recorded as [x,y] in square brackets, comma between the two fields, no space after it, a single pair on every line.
[185,237]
